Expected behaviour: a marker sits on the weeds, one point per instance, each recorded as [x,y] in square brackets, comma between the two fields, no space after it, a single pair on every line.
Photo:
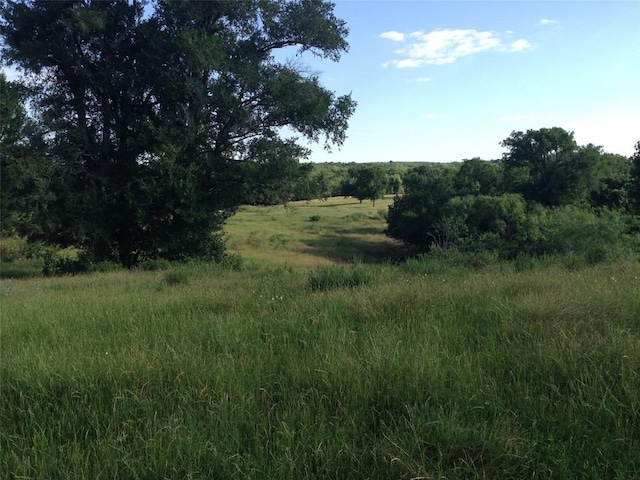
[334,277]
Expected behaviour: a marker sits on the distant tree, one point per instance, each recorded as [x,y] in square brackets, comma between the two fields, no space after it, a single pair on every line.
[394,183]
[548,167]
[478,177]
[369,183]
[152,111]
[320,187]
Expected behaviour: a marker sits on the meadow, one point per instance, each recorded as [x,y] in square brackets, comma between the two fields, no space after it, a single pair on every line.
[319,358]
[336,230]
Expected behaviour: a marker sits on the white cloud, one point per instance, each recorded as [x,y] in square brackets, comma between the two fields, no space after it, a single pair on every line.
[520,45]
[393,36]
[547,21]
[423,79]
[440,47]
[405,63]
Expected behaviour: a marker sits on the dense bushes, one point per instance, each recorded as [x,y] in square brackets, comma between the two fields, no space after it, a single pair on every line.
[546,197]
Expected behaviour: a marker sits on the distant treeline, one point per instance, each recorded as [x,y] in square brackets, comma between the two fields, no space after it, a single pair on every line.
[546,196]
[287,180]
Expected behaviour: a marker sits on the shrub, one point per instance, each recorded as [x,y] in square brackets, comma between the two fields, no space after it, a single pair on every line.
[594,236]
[315,218]
[232,261]
[278,240]
[10,248]
[56,263]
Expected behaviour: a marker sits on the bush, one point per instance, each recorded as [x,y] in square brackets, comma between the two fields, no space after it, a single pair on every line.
[10,248]
[278,240]
[232,261]
[594,236]
[57,263]
[65,262]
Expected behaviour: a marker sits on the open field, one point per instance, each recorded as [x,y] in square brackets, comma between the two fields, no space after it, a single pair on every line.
[329,370]
[338,230]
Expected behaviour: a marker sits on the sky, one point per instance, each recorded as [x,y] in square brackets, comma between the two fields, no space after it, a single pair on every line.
[443,81]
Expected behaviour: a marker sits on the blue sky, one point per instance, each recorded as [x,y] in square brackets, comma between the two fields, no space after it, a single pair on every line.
[443,81]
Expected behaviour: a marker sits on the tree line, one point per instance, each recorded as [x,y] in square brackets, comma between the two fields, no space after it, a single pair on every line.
[546,196]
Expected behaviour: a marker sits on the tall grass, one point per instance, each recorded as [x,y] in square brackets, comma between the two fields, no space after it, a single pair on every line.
[212,373]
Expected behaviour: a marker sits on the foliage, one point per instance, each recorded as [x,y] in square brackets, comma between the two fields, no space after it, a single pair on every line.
[367,183]
[485,222]
[25,177]
[596,236]
[612,190]
[151,114]
[418,216]
[547,197]
[548,167]
[278,178]
[478,177]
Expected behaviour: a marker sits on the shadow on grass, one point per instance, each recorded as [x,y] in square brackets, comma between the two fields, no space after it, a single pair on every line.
[354,249]
[330,205]
[357,230]
[20,269]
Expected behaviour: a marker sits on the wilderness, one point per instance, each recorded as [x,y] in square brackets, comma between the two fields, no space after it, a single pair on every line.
[183,296]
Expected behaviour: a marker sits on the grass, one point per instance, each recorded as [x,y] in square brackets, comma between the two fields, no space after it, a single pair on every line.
[333,371]
[338,230]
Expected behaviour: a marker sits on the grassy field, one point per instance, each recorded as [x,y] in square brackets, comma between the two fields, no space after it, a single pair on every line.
[303,365]
[338,230]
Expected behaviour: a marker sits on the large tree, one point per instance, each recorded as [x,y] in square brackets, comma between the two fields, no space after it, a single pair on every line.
[547,166]
[153,111]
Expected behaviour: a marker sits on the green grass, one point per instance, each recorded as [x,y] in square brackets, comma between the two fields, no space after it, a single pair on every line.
[337,230]
[365,371]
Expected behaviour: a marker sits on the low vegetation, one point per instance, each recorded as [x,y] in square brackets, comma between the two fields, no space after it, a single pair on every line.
[448,365]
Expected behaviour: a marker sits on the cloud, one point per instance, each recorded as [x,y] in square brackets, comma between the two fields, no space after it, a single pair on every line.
[519,45]
[440,47]
[393,36]
[423,79]
[547,21]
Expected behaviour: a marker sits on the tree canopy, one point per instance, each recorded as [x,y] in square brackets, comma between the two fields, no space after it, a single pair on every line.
[152,112]
[547,195]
